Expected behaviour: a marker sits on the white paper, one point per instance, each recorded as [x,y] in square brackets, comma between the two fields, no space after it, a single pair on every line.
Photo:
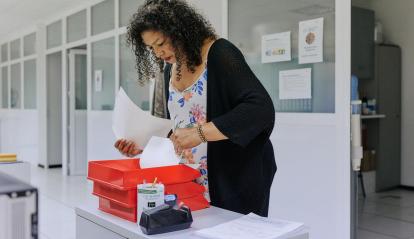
[311,41]
[251,226]
[295,84]
[158,152]
[98,80]
[276,47]
[132,123]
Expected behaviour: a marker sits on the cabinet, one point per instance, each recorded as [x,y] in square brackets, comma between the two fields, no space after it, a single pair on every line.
[378,68]
[384,134]
[362,39]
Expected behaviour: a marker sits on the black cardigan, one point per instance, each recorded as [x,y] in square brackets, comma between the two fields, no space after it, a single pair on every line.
[240,169]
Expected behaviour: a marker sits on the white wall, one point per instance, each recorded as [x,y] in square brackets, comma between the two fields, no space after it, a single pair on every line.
[397,19]
[312,184]
[18,133]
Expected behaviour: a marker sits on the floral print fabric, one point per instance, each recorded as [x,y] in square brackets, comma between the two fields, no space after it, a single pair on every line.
[188,108]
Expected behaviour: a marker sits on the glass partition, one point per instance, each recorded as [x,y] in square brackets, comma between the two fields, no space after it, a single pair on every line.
[126,9]
[103,74]
[29,44]
[30,84]
[250,21]
[80,82]
[4,88]
[76,26]
[103,18]
[54,34]
[15,86]
[15,49]
[138,93]
[4,53]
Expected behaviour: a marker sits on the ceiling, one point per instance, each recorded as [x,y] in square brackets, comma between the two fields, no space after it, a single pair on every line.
[17,15]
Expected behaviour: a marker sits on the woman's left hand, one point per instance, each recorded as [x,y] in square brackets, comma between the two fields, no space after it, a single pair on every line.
[185,138]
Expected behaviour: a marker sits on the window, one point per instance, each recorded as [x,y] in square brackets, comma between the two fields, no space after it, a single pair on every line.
[30,84]
[76,26]
[29,44]
[103,74]
[54,34]
[103,18]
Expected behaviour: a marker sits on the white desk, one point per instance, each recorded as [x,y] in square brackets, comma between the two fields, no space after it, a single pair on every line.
[19,170]
[92,223]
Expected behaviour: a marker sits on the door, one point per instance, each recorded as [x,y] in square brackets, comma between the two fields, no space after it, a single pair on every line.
[77,115]
[53,111]
[388,75]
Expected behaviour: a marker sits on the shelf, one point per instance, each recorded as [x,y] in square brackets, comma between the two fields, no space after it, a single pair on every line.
[372,116]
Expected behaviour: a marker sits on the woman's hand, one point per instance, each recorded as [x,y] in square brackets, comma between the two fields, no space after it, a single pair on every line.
[127,147]
[185,138]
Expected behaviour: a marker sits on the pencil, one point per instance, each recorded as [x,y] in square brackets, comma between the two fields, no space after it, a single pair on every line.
[155,181]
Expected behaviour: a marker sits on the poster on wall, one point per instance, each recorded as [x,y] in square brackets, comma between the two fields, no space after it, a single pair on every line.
[311,41]
[276,47]
[295,84]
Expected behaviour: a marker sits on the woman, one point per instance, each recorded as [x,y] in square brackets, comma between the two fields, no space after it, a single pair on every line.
[222,115]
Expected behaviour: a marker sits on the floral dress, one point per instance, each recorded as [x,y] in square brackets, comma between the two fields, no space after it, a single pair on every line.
[188,108]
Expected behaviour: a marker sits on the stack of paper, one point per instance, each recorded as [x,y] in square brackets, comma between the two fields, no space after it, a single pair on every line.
[8,157]
[132,123]
[252,226]
[158,152]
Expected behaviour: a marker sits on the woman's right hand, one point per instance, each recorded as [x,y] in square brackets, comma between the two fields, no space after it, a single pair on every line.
[127,147]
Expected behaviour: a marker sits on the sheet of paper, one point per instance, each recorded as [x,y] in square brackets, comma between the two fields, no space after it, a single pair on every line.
[132,123]
[158,152]
[311,41]
[295,84]
[251,226]
[276,47]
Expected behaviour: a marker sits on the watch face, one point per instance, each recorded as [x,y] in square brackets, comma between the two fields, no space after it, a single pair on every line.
[310,38]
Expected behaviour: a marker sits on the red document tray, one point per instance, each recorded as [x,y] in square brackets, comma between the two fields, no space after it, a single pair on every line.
[196,203]
[128,198]
[115,209]
[126,174]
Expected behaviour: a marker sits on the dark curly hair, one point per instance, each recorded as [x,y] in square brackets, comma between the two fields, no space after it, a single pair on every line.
[178,21]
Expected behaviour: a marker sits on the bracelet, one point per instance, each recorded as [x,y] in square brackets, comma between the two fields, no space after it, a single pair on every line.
[201,133]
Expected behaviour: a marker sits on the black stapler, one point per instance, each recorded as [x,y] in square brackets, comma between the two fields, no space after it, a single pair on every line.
[165,218]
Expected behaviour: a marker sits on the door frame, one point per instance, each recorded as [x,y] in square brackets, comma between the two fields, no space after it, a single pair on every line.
[66,95]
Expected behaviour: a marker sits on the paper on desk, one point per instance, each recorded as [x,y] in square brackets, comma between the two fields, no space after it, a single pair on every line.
[132,123]
[251,226]
[158,152]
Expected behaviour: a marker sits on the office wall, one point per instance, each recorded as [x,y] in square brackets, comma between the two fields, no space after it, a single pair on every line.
[397,18]
[311,149]
[18,133]
[19,126]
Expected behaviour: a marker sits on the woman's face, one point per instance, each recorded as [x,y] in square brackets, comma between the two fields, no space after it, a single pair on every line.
[160,45]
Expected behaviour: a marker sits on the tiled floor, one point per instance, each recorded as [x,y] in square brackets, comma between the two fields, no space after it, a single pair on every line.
[387,215]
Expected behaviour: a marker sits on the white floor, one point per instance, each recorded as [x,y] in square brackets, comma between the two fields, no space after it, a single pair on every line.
[387,215]
[58,197]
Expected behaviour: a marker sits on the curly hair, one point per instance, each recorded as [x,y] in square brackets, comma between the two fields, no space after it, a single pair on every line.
[175,19]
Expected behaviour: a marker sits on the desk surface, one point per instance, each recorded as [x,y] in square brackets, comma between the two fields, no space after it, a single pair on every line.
[202,219]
